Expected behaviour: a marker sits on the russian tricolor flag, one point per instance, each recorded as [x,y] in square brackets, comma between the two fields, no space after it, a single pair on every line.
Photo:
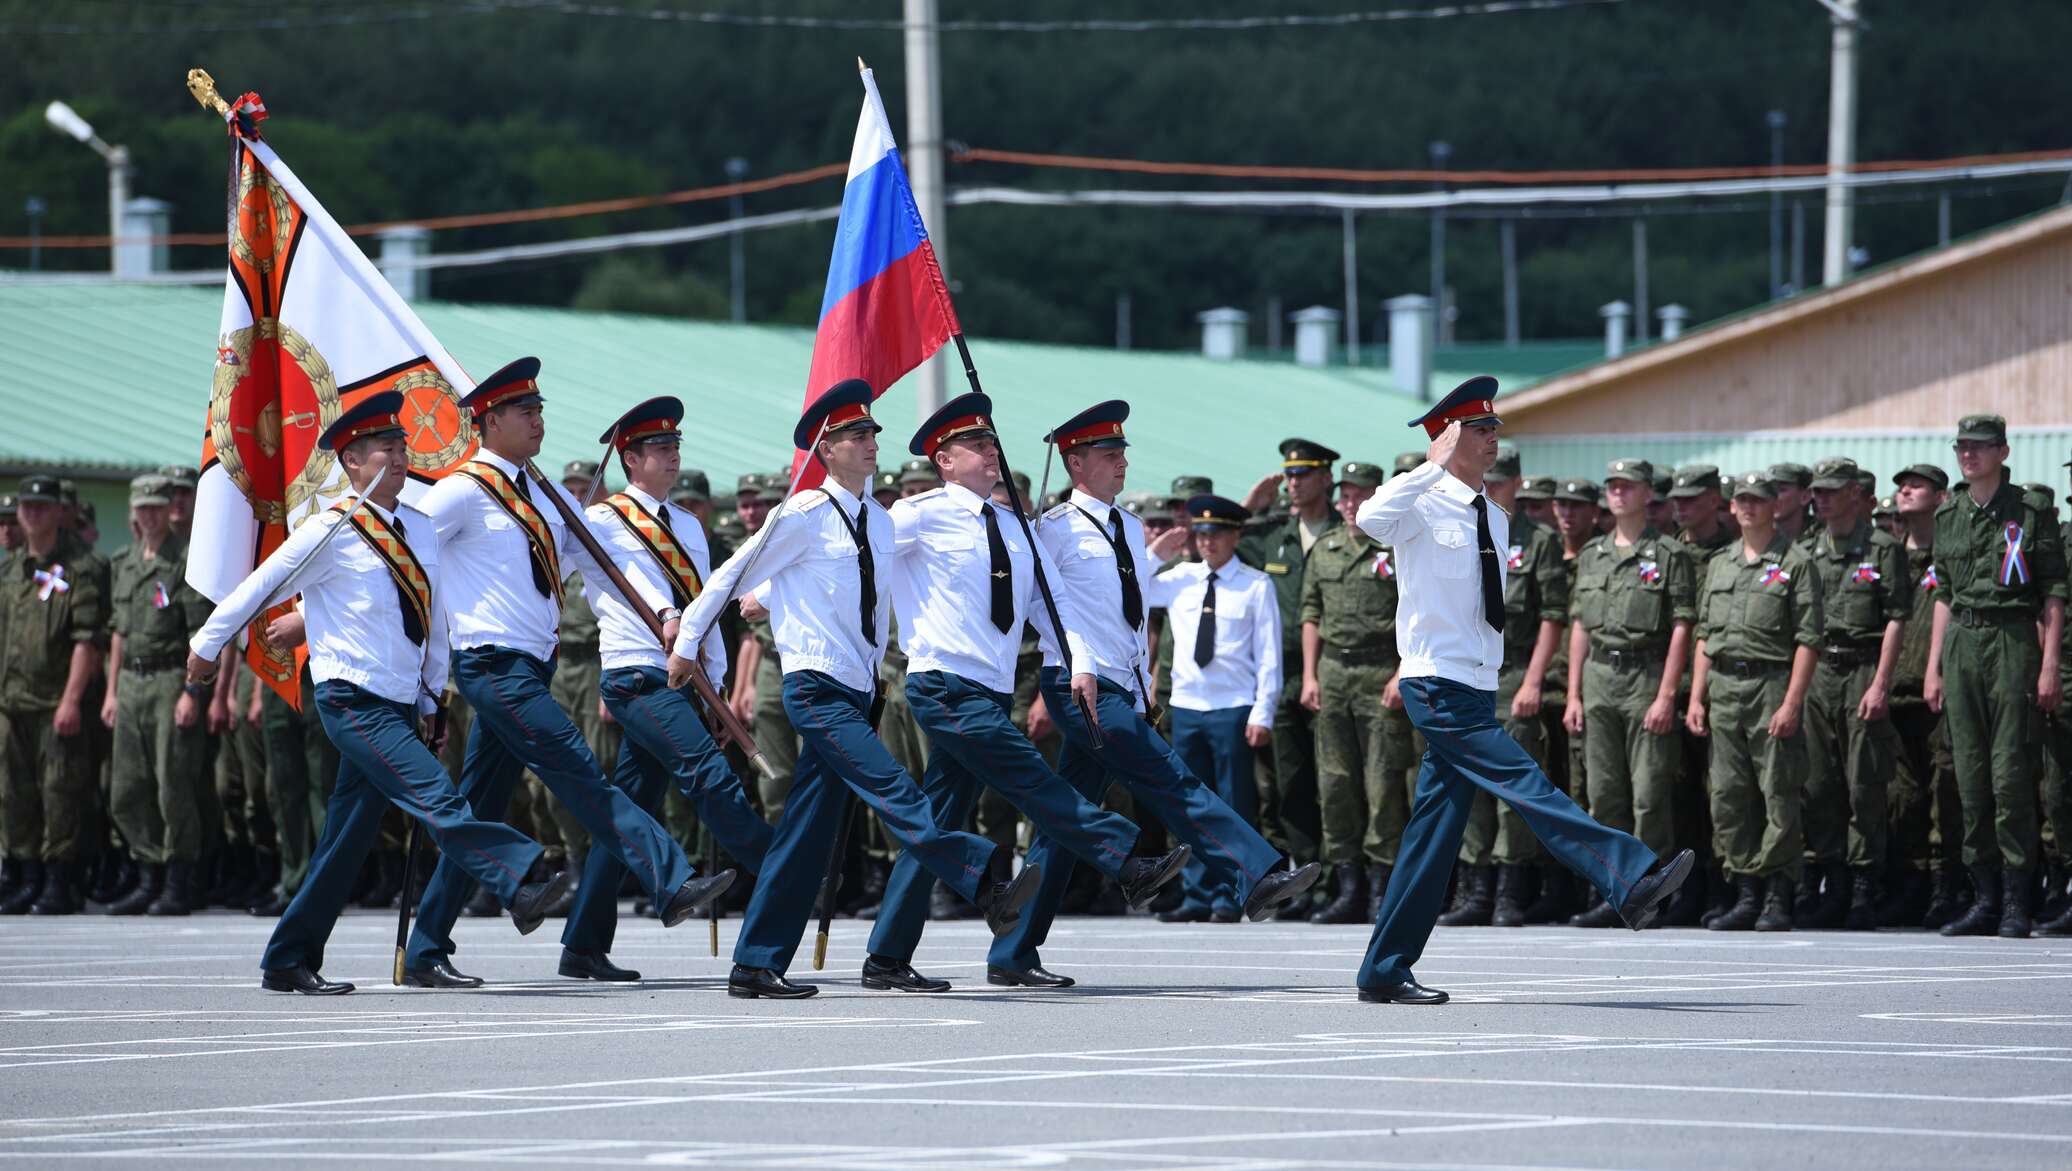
[886,309]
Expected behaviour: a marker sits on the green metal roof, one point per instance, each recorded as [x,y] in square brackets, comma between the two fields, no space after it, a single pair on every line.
[105,379]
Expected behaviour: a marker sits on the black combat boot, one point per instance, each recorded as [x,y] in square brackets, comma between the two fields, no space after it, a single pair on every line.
[1806,893]
[25,892]
[1863,901]
[1511,884]
[1477,904]
[1984,916]
[2018,894]
[1777,903]
[1351,904]
[1720,895]
[1832,907]
[1553,903]
[2059,927]
[177,897]
[10,877]
[1947,899]
[58,891]
[150,884]
[1906,900]
[1377,885]
[1746,908]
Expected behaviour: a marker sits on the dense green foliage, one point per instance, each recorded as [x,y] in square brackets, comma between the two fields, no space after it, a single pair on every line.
[422,108]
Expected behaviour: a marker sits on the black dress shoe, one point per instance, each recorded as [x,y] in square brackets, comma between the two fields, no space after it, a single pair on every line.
[301,980]
[1406,992]
[1005,901]
[1281,885]
[593,965]
[763,983]
[1225,915]
[1034,977]
[1644,903]
[1185,913]
[1142,877]
[439,975]
[529,905]
[691,897]
[888,975]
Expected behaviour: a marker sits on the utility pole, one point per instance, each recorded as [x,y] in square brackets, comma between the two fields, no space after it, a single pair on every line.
[1441,151]
[1640,280]
[1508,237]
[1352,291]
[1841,141]
[925,164]
[1776,122]
[737,261]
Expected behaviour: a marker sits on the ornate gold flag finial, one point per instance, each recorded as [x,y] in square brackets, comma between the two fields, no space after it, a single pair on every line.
[203,87]
[860,67]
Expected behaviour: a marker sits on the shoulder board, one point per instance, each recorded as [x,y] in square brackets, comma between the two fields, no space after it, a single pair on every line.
[1058,510]
[806,501]
[924,495]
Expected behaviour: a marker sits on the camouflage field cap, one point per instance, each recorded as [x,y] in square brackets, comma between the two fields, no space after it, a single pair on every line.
[1637,471]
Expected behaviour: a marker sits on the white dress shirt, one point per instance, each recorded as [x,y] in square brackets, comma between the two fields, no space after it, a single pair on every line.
[493,601]
[806,576]
[1428,516]
[351,610]
[945,595]
[1246,668]
[623,639]
[1088,572]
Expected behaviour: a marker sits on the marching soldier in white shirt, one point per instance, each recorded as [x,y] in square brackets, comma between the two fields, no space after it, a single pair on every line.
[824,567]
[376,619]
[1105,566]
[1225,623]
[503,623]
[663,740]
[972,578]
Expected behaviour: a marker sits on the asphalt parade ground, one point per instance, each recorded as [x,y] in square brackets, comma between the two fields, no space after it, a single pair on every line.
[1204,1048]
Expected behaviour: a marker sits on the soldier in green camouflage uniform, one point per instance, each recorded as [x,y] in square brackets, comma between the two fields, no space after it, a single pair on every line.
[1850,741]
[2057,795]
[1759,627]
[1634,601]
[53,618]
[1365,760]
[1928,887]
[1701,524]
[154,795]
[759,663]
[2000,576]
[1575,506]
[1794,485]
[1500,852]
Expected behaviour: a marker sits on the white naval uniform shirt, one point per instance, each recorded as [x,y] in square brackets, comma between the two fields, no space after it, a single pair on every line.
[492,600]
[1246,668]
[806,576]
[945,595]
[623,639]
[351,610]
[1428,517]
[1088,572]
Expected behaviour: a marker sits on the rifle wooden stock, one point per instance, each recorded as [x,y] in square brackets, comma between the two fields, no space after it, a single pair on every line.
[730,727]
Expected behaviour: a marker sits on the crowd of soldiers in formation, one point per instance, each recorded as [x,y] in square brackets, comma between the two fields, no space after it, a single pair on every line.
[1836,767]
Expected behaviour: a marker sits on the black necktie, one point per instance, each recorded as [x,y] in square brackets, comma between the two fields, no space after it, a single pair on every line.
[539,575]
[1205,635]
[1492,572]
[662,511]
[866,573]
[1002,571]
[412,628]
[1126,566]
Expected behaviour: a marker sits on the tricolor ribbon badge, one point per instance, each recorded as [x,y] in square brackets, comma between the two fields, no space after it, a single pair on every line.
[1865,574]
[1929,580]
[1775,575]
[1382,568]
[51,582]
[159,598]
[1516,558]
[2014,564]
[1650,572]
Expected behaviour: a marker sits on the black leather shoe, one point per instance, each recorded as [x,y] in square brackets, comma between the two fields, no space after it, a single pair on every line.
[1185,913]
[1645,901]
[1005,901]
[529,905]
[762,983]
[1225,915]
[301,980]
[691,897]
[439,975]
[887,975]
[1406,992]
[1281,885]
[1035,977]
[593,965]
[1142,877]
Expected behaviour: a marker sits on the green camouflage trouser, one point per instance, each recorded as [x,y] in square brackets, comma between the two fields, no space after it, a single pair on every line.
[1922,810]
[47,786]
[774,736]
[301,768]
[1366,763]
[239,786]
[1848,767]
[1989,699]
[1632,771]
[1757,781]
[2057,785]
[1495,832]
[153,796]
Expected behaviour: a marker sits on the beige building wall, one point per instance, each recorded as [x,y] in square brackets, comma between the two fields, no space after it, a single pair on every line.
[1983,325]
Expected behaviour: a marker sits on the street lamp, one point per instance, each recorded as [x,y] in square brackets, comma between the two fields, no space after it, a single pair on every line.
[1442,322]
[1776,122]
[65,120]
[737,170]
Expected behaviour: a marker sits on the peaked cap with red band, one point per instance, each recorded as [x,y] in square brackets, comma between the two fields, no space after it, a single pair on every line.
[966,416]
[373,415]
[842,406]
[516,385]
[652,421]
[1096,426]
[1473,401]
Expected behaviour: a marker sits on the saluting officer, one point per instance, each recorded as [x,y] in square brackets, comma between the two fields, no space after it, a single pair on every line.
[1365,747]
[1759,628]
[825,567]
[376,619]
[1634,601]
[1993,665]
[663,740]
[503,634]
